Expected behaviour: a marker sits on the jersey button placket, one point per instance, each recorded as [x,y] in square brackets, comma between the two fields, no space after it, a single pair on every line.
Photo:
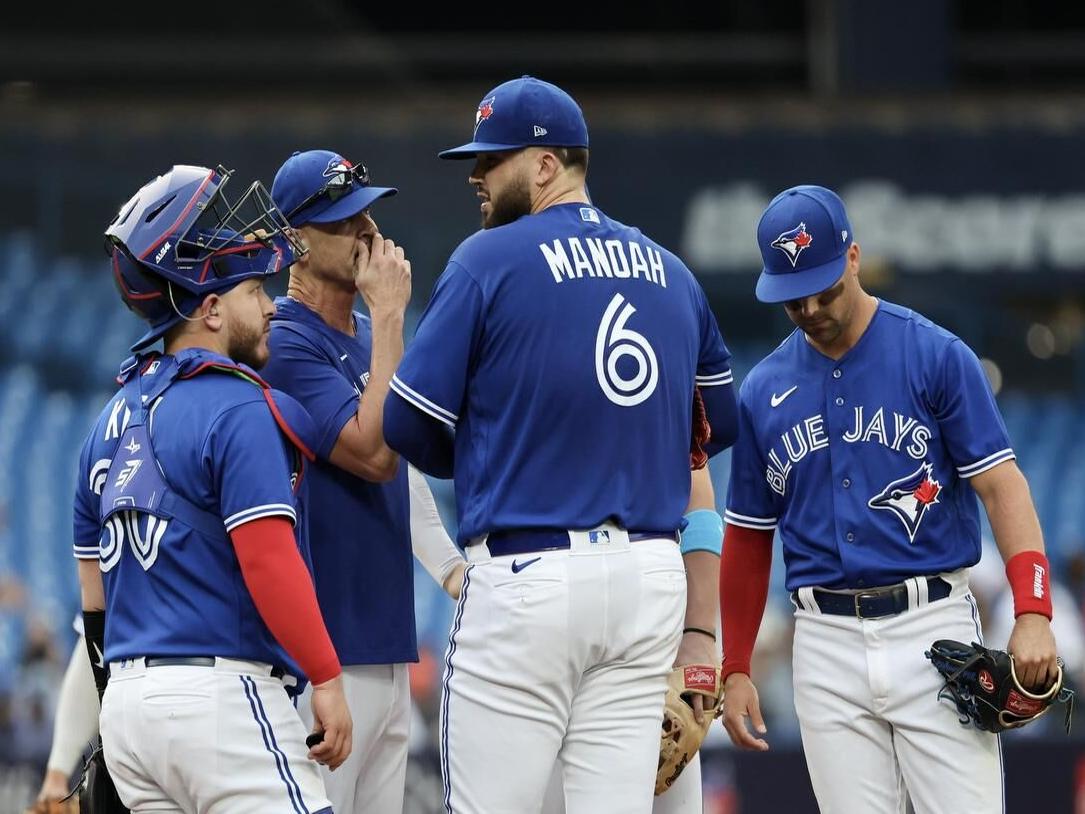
[838,426]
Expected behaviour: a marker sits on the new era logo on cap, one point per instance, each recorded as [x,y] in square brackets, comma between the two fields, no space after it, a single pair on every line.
[522,113]
[799,250]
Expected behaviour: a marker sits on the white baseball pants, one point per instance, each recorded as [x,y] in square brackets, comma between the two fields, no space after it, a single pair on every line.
[207,740]
[684,797]
[873,730]
[565,658]
[371,780]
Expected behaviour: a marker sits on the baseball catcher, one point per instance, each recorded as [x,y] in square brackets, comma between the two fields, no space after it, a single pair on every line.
[983,685]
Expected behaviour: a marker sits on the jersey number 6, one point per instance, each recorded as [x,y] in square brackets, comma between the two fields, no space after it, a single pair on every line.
[612,342]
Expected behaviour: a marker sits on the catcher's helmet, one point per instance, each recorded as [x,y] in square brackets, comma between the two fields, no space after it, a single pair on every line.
[179,239]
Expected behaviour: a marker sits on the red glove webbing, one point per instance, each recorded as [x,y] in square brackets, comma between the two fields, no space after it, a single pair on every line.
[283,593]
[1029,575]
[744,587]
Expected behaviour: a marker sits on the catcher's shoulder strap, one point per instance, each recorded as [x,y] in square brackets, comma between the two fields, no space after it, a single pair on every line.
[292,419]
[135,479]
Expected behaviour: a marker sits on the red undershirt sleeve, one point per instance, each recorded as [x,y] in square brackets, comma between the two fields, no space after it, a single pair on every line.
[283,592]
[744,587]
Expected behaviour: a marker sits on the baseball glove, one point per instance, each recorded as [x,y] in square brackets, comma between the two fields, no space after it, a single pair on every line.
[983,685]
[701,432]
[681,735]
[99,795]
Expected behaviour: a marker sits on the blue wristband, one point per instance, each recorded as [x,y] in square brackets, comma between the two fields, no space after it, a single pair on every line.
[703,532]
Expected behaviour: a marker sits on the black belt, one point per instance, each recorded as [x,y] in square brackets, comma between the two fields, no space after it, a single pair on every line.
[196,661]
[529,541]
[874,603]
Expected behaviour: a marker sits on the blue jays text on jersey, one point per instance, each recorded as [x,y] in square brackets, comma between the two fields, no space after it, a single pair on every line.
[863,462]
[563,349]
[363,567]
[193,446]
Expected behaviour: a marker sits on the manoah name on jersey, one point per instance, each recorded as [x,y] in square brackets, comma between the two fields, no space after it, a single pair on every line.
[571,258]
[888,429]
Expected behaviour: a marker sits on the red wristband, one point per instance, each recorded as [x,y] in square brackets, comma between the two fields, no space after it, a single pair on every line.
[1028,574]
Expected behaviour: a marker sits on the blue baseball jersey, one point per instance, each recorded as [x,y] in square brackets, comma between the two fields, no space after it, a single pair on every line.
[563,349]
[863,462]
[172,588]
[359,531]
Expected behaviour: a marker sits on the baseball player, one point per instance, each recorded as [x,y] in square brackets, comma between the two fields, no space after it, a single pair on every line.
[563,348]
[864,440]
[198,604]
[365,509]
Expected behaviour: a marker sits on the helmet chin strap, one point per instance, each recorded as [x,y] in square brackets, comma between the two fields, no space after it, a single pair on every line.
[169,287]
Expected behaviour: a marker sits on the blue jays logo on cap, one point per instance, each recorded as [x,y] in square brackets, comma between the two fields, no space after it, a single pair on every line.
[321,186]
[522,113]
[793,241]
[909,498]
[804,237]
[485,110]
[338,172]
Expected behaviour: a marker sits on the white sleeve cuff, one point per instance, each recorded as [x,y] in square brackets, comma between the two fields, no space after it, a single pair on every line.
[424,404]
[715,379]
[256,512]
[744,520]
[982,465]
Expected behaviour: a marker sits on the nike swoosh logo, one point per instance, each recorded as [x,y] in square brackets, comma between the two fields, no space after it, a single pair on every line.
[101,659]
[343,357]
[517,567]
[777,400]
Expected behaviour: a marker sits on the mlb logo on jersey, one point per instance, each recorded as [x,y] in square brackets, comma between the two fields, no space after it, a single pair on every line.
[793,242]
[909,498]
[589,215]
[598,537]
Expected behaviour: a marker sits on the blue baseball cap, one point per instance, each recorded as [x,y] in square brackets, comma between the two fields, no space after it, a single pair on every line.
[524,112]
[319,186]
[804,237]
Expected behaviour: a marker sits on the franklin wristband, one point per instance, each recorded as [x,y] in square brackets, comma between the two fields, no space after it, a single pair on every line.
[1030,580]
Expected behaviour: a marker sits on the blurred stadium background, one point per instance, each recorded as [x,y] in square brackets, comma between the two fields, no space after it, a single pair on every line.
[954,131]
